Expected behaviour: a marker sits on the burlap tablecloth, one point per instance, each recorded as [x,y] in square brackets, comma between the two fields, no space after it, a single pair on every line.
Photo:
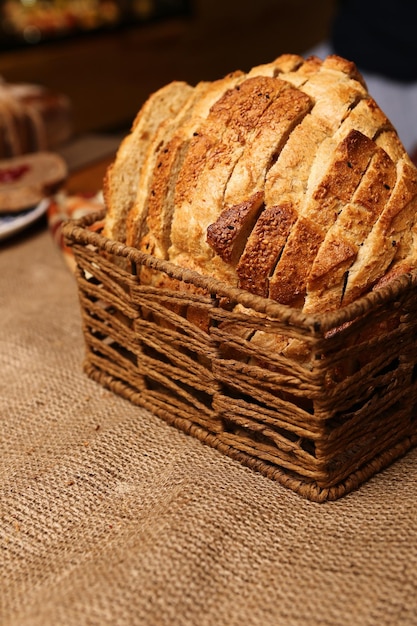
[108,516]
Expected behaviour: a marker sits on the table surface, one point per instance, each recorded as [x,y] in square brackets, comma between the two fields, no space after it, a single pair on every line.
[108,516]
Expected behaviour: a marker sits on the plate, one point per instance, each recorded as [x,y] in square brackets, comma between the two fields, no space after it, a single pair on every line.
[12,224]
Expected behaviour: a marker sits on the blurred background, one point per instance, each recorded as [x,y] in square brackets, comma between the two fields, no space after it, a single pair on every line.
[108,55]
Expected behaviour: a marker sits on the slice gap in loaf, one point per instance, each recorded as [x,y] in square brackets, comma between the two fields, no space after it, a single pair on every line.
[380,247]
[362,117]
[271,248]
[264,243]
[350,159]
[339,89]
[329,93]
[327,280]
[337,95]
[156,238]
[325,151]
[265,144]
[122,178]
[296,73]
[367,118]
[264,247]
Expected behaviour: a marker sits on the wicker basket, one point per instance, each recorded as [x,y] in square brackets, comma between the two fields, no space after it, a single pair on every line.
[320,425]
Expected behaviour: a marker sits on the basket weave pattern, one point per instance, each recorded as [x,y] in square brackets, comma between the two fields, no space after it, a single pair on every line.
[321,424]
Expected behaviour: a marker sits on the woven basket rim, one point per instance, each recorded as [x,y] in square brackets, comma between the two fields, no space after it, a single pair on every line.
[77,231]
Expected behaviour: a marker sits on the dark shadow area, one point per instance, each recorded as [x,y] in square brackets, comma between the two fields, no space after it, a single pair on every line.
[109,74]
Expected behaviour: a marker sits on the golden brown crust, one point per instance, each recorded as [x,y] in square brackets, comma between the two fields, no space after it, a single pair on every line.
[264,145]
[233,115]
[227,236]
[209,163]
[325,284]
[335,62]
[350,160]
[286,63]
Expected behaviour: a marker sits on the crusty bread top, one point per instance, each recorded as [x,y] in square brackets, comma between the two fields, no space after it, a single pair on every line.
[288,181]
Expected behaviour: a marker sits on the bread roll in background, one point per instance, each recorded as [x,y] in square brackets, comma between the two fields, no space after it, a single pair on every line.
[288,181]
[32,118]
[26,180]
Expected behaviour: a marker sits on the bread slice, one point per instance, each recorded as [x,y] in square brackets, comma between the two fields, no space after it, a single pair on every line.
[121,180]
[380,247]
[154,237]
[266,241]
[266,142]
[350,159]
[155,163]
[25,180]
[301,177]
[229,233]
[213,153]
[241,144]
[263,248]
[325,283]
[334,94]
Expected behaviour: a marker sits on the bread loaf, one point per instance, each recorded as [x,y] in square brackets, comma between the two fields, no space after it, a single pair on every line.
[288,181]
